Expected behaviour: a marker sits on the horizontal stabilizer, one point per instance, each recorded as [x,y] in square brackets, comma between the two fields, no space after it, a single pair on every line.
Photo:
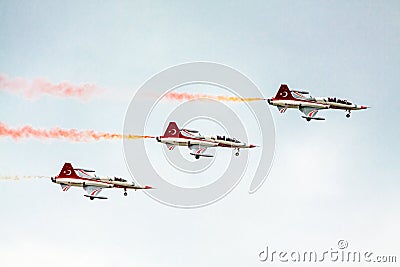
[84,170]
[202,155]
[300,92]
[98,197]
[190,131]
[313,118]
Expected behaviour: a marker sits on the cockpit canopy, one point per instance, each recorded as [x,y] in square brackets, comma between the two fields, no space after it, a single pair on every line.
[224,138]
[119,179]
[340,101]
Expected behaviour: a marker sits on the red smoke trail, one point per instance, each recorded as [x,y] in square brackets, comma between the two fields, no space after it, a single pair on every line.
[188,96]
[39,87]
[65,134]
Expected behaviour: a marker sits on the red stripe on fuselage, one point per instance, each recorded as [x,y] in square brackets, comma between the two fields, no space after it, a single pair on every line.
[203,140]
[85,179]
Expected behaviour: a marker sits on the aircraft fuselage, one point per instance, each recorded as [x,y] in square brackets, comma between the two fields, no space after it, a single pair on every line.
[286,98]
[203,141]
[99,182]
[297,103]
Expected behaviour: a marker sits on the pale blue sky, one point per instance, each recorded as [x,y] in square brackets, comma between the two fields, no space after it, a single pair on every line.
[336,179]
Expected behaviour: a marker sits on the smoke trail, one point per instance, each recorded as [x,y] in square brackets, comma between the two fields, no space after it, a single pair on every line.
[39,87]
[188,96]
[21,177]
[64,134]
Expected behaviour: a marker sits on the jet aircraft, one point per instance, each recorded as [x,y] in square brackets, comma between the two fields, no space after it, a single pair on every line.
[197,143]
[286,98]
[91,183]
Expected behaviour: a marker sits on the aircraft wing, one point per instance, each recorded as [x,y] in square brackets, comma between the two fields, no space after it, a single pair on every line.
[92,191]
[65,187]
[310,113]
[170,147]
[198,151]
[282,109]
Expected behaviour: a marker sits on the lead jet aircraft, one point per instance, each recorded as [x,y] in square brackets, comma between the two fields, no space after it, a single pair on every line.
[197,143]
[91,183]
[286,98]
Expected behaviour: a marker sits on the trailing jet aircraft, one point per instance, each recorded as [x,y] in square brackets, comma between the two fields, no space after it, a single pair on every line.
[197,143]
[91,183]
[286,98]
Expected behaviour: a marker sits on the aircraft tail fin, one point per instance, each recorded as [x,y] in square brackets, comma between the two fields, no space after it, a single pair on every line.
[172,130]
[284,93]
[68,171]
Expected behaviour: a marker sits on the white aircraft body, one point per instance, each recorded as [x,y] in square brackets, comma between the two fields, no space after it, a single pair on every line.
[197,143]
[309,105]
[92,184]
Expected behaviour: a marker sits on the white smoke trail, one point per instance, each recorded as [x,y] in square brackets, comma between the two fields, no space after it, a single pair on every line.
[21,177]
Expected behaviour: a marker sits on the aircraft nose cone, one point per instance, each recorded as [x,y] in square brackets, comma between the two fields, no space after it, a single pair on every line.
[251,146]
[269,100]
[364,107]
